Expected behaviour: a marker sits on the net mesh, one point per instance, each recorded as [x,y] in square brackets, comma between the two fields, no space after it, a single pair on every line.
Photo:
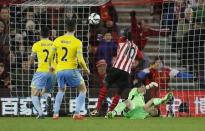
[26,21]
[184,51]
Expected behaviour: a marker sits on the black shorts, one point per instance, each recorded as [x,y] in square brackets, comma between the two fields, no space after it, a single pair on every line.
[117,78]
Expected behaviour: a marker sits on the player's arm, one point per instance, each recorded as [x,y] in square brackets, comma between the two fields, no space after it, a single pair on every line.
[142,89]
[140,55]
[142,74]
[33,55]
[81,60]
[51,55]
[176,73]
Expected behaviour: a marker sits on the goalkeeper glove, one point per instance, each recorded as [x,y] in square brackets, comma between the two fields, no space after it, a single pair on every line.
[151,85]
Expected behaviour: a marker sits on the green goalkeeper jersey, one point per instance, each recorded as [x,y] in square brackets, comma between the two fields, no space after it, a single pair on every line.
[137,111]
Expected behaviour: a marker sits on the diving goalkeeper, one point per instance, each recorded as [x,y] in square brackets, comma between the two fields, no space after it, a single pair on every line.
[135,108]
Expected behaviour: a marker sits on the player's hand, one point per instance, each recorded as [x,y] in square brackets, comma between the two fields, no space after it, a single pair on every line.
[87,71]
[51,69]
[153,84]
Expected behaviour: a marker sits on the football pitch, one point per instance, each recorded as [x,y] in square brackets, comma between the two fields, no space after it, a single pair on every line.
[101,124]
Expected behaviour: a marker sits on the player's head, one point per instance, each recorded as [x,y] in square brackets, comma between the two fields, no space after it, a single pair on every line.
[159,61]
[139,84]
[45,32]
[154,112]
[71,25]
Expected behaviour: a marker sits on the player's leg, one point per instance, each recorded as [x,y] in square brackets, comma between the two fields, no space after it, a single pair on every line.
[76,80]
[127,104]
[101,97]
[37,84]
[130,103]
[60,94]
[51,81]
[135,98]
[157,101]
[46,92]
[103,90]
[80,101]
[121,83]
[36,101]
[101,69]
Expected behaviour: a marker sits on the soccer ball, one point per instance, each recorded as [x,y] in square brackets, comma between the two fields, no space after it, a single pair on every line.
[94,19]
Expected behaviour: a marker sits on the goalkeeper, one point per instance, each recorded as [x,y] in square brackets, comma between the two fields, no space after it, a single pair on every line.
[135,108]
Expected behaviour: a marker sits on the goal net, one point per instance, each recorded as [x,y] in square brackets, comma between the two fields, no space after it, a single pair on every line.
[26,21]
[184,50]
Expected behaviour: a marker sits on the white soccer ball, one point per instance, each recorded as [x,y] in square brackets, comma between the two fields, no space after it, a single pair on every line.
[94,18]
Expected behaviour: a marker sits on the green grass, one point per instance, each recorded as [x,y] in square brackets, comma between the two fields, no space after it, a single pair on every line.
[101,124]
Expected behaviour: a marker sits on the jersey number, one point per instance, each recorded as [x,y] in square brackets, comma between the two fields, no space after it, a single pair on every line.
[130,52]
[47,53]
[65,54]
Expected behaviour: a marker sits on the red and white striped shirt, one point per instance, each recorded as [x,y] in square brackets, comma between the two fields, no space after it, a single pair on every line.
[126,54]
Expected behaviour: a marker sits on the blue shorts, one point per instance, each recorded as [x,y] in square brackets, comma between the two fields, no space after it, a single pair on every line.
[42,80]
[71,78]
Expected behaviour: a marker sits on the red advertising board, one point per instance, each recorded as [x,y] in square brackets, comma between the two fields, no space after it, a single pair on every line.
[195,101]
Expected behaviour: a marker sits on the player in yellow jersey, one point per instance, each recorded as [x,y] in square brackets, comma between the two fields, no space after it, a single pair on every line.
[42,78]
[69,56]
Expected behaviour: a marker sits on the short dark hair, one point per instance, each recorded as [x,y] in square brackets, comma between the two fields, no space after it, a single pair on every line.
[159,58]
[45,32]
[70,25]
[138,84]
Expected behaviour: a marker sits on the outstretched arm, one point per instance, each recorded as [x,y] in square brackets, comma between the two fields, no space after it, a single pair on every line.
[141,90]
[141,75]
[50,57]
[32,56]
[184,75]
[81,60]
[178,74]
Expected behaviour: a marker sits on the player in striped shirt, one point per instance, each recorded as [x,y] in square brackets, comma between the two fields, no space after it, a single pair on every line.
[118,76]
[42,79]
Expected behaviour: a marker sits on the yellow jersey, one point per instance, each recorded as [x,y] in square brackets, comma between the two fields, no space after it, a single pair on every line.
[42,49]
[69,53]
